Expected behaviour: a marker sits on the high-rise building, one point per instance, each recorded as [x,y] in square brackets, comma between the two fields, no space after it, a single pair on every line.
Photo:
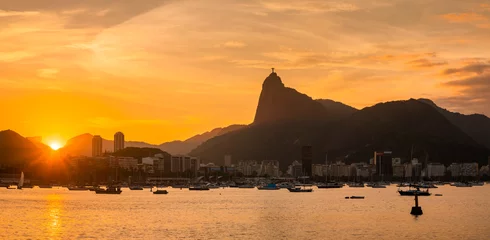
[306,160]
[96,146]
[118,141]
[384,165]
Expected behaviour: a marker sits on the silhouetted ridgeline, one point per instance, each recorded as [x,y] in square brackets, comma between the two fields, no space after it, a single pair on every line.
[286,120]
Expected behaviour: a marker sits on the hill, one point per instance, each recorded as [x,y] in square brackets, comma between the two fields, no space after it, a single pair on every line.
[81,145]
[395,126]
[17,151]
[476,126]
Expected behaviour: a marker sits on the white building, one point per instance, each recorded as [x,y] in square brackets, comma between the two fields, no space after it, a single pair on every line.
[124,162]
[435,170]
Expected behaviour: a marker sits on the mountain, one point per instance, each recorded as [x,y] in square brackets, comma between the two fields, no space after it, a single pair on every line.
[184,147]
[81,145]
[337,110]
[397,126]
[476,126]
[280,103]
[16,150]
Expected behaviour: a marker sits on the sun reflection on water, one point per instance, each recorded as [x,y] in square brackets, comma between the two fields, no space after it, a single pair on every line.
[53,214]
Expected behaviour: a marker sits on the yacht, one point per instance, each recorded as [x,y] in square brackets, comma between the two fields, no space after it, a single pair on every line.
[462,184]
[355,185]
[331,185]
[477,183]
[270,186]
[78,188]
[300,189]
[413,192]
[135,188]
[198,188]
[109,190]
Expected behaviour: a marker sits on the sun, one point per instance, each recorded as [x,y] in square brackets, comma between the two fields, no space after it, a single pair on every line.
[55,145]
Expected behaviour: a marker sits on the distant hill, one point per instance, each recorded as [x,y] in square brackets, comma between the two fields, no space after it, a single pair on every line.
[395,126]
[139,153]
[335,109]
[16,150]
[476,126]
[81,145]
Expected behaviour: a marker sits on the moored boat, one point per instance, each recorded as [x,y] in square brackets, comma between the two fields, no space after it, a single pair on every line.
[270,186]
[109,190]
[331,185]
[300,189]
[198,188]
[413,192]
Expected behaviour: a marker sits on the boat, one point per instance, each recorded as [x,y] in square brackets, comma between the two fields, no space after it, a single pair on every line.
[355,185]
[160,191]
[270,186]
[212,186]
[425,185]
[45,186]
[133,187]
[300,189]
[462,184]
[109,190]
[21,181]
[246,186]
[438,195]
[376,185]
[477,184]
[179,186]
[78,188]
[413,192]
[355,197]
[331,185]
[198,188]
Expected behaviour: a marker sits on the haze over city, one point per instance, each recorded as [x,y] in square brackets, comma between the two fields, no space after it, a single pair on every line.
[167,70]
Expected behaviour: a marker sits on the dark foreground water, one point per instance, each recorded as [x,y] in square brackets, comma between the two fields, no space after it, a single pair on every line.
[461,213]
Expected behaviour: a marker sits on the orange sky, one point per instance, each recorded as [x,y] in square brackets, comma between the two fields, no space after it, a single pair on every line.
[165,70]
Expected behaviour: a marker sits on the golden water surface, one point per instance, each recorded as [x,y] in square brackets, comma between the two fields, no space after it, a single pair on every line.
[461,213]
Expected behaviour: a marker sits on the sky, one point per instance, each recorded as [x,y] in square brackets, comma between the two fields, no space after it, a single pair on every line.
[166,70]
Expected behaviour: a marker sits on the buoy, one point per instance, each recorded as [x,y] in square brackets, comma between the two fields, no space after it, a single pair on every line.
[416,210]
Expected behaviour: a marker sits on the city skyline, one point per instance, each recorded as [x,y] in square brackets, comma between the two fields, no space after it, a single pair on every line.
[172,87]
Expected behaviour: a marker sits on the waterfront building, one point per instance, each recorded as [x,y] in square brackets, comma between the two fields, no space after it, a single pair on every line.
[96,146]
[118,141]
[383,162]
[128,163]
[463,169]
[436,170]
[306,160]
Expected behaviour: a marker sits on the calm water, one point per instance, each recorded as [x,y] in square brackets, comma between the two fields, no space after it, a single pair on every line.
[461,213]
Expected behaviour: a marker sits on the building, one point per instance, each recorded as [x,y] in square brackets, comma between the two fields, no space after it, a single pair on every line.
[435,170]
[128,163]
[463,170]
[195,165]
[384,167]
[319,169]
[227,161]
[96,146]
[176,164]
[295,169]
[118,141]
[269,168]
[306,160]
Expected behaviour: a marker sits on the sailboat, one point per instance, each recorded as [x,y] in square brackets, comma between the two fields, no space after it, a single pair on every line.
[20,184]
[135,187]
[21,181]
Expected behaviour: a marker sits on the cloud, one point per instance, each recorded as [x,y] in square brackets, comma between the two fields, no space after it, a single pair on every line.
[478,20]
[425,63]
[14,56]
[17,13]
[309,6]
[478,68]
[47,72]
[234,44]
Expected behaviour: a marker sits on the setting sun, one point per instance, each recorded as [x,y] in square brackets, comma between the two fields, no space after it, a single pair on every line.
[55,145]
